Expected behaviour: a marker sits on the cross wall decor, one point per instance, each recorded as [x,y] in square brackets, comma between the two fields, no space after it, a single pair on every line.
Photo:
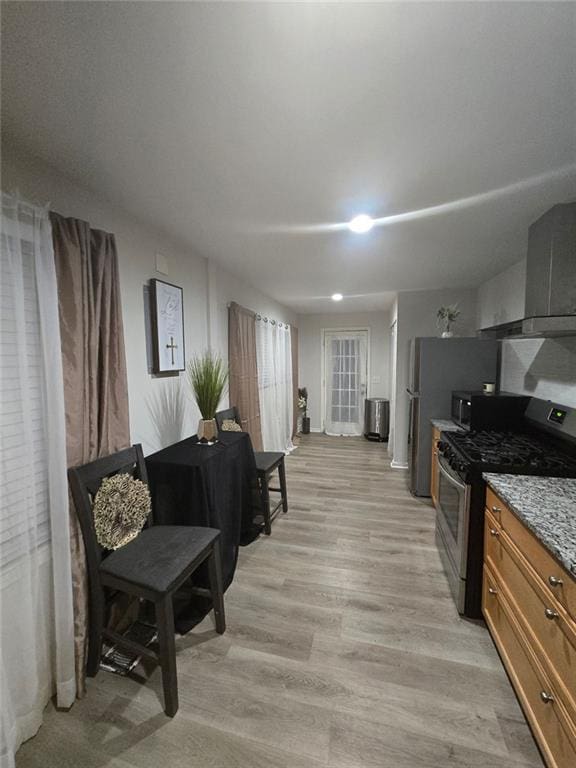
[167,316]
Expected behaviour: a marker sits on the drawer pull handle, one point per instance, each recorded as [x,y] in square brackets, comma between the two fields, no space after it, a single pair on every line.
[494,532]
[554,582]
[550,614]
[492,591]
[496,510]
[547,698]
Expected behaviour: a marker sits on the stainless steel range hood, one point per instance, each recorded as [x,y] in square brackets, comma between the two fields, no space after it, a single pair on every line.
[550,306]
[564,325]
[551,274]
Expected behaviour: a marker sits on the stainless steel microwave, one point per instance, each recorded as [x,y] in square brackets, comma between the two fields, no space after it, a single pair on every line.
[462,408]
[487,410]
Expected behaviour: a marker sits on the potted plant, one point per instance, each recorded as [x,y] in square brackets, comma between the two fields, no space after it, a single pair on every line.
[208,376]
[303,405]
[445,317]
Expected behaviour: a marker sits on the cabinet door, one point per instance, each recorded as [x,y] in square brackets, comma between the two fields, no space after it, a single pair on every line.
[434,472]
[550,724]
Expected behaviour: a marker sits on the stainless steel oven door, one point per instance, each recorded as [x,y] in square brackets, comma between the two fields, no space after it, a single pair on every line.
[453,515]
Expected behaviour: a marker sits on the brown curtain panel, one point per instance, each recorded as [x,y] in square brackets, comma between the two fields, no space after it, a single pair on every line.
[94,365]
[295,385]
[243,386]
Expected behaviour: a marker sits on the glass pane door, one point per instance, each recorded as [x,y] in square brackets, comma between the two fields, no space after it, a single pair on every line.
[345,379]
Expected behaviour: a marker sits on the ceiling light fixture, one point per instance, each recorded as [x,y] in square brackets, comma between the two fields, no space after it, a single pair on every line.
[361,224]
[337,297]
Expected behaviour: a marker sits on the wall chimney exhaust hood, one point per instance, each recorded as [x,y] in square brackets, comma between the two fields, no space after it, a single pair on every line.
[564,325]
[551,274]
[550,308]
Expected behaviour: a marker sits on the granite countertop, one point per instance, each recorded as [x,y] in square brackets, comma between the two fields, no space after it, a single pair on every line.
[445,425]
[546,505]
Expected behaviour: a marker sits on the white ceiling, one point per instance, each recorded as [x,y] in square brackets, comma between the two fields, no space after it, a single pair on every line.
[239,127]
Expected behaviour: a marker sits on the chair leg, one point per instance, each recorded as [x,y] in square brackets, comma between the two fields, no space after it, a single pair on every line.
[216,588]
[265,496]
[283,491]
[95,630]
[167,648]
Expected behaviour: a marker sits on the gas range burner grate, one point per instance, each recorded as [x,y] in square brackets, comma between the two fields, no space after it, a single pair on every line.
[513,450]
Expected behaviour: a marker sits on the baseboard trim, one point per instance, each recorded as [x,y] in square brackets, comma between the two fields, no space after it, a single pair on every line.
[398,465]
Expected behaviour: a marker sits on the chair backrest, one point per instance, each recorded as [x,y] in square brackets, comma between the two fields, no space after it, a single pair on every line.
[230,414]
[84,484]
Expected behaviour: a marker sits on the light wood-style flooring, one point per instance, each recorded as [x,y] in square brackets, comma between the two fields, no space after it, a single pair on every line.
[343,649]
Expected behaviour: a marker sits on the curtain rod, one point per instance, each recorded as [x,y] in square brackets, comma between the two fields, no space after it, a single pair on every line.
[272,322]
[266,319]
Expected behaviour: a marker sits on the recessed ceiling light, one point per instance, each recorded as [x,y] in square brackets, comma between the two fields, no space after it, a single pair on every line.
[337,297]
[361,223]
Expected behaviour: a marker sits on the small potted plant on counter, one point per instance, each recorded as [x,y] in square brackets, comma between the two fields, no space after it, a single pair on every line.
[445,317]
[303,405]
[208,376]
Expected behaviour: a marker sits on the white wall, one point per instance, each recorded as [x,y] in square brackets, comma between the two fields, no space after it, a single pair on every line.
[310,354]
[207,289]
[502,298]
[544,368]
[416,316]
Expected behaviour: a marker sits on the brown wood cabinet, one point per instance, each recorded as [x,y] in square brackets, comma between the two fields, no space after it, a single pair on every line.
[527,601]
[434,470]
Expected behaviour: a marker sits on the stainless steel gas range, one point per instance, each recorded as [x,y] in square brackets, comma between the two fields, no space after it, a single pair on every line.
[541,442]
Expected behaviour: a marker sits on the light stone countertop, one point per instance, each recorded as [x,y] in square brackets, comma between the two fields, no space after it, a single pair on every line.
[547,506]
[445,425]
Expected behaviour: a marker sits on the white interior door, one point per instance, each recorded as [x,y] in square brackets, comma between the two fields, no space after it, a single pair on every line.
[345,381]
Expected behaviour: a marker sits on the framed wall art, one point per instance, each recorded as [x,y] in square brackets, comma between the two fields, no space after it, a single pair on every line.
[167,326]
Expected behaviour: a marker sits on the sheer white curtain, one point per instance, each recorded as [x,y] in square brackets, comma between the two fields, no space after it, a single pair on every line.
[274,356]
[346,380]
[36,619]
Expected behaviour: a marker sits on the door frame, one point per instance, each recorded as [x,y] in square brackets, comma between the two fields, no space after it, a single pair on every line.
[323,333]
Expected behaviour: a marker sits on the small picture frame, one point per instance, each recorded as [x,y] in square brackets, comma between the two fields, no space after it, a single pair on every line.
[167,327]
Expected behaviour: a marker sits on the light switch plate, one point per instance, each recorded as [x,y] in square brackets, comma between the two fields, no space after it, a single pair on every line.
[161,264]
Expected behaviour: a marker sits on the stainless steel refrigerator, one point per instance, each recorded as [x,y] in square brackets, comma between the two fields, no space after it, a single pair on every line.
[437,368]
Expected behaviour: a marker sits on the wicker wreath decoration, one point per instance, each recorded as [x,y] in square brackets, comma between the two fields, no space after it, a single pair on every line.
[121,508]
[229,425]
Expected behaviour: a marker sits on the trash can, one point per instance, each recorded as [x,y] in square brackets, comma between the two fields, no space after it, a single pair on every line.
[376,418]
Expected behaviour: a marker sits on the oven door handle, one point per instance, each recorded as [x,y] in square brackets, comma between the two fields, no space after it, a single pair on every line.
[450,476]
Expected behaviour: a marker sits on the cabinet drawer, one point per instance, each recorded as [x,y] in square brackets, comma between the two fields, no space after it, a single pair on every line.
[548,720]
[544,622]
[545,565]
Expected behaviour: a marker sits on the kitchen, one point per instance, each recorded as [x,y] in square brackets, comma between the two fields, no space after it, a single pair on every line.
[336,199]
[502,477]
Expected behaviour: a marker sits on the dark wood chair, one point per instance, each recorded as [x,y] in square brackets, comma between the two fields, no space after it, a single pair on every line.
[267,463]
[153,566]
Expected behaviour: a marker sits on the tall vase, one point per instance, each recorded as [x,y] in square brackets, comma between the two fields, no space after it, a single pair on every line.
[207,431]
